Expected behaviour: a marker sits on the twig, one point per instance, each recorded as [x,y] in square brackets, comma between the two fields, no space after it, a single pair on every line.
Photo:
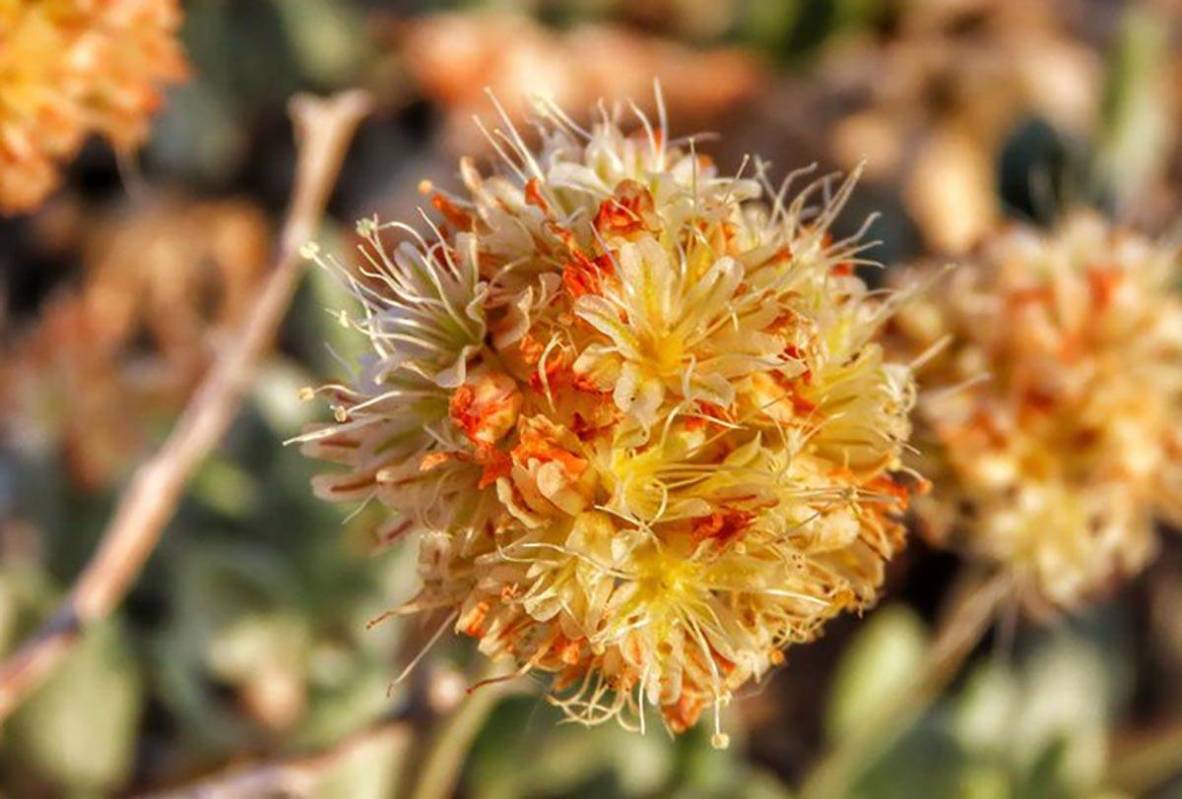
[972,611]
[433,771]
[1145,764]
[298,776]
[323,129]
[443,758]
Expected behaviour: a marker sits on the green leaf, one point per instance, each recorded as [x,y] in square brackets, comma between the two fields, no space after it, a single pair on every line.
[703,770]
[981,715]
[1044,778]
[79,729]
[215,587]
[984,781]
[199,135]
[564,759]
[368,770]
[764,785]
[884,656]
[1044,720]
[327,38]
[355,702]
[241,647]
[9,614]
[223,486]
[1065,707]
[926,762]
[1136,125]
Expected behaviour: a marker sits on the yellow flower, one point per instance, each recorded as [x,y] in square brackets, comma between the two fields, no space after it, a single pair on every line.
[72,68]
[634,410]
[1051,414]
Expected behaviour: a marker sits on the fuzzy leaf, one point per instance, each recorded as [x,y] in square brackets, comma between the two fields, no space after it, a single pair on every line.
[79,729]
[885,654]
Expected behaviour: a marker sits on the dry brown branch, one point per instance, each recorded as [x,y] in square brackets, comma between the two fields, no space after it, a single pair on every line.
[1141,763]
[323,130]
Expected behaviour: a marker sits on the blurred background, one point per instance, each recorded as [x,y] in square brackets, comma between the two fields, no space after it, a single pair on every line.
[245,643]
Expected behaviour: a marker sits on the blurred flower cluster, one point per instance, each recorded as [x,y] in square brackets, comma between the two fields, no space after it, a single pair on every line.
[73,68]
[1053,392]
[128,343]
[458,58]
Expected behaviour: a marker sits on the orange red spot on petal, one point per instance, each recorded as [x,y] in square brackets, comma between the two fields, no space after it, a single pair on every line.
[539,444]
[531,349]
[452,212]
[485,409]
[684,713]
[629,211]
[433,459]
[583,275]
[473,621]
[1104,284]
[534,197]
[496,465]
[886,485]
[721,526]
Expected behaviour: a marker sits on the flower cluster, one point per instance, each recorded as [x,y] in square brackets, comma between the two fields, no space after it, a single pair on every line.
[1051,404]
[159,285]
[72,68]
[455,57]
[634,410]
